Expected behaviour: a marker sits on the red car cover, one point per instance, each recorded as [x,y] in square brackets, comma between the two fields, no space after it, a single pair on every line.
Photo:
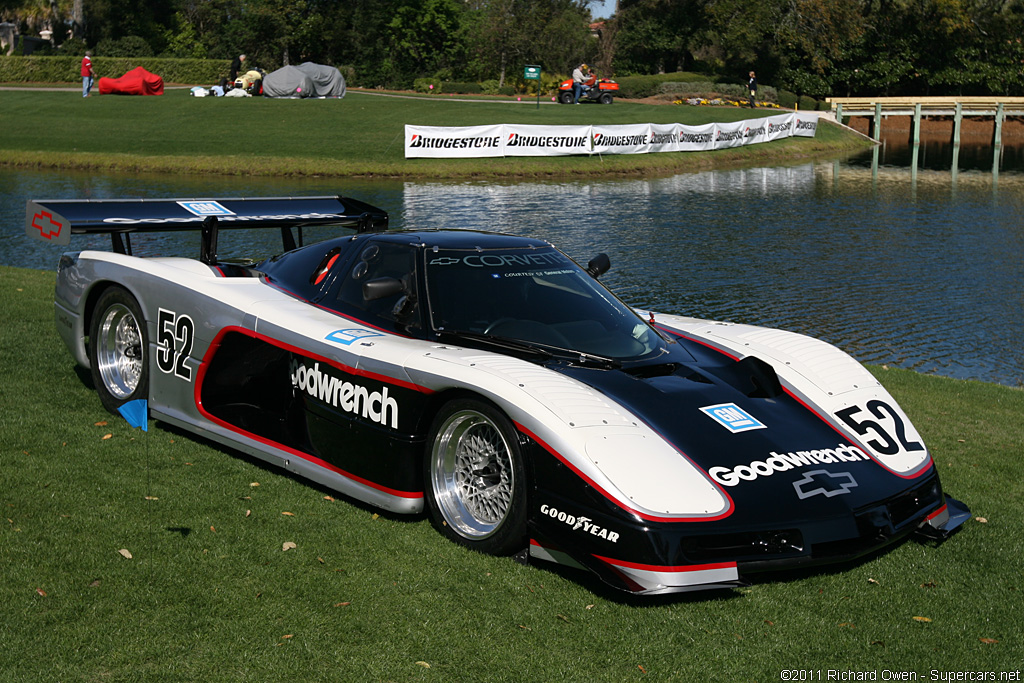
[138,81]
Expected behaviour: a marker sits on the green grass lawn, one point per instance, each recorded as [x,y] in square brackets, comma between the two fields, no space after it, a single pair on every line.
[362,134]
[209,593]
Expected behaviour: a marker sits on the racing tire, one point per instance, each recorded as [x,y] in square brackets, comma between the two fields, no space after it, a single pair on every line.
[475,480]
[605,98]
[565,97]
[117,349]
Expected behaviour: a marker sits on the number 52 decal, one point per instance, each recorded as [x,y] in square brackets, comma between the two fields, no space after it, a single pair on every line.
[884,442]
[174,336]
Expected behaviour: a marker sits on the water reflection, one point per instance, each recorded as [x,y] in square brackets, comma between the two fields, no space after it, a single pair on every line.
[922,273]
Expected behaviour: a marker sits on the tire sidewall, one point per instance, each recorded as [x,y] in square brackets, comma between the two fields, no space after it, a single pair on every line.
[115,296]
[510,536]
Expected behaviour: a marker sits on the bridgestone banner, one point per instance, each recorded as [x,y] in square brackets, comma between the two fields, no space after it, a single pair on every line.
[510,140]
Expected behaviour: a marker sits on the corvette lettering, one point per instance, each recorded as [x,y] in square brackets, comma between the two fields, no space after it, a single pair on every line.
[781,462]
[502,260]
[578,523]
[352,398]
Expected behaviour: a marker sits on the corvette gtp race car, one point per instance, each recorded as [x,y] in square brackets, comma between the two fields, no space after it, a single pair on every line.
[493,383]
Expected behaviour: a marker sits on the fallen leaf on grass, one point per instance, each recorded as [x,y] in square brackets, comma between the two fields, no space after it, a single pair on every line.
[101,423]
[125,553]
[563,618]
[589,607]
[286,637]
[875,581]
[288,545]
[255,483]
[328,499]
[375,516]
[642,669]
[423,664]
[212,529]
[152,498]
[342,604]
[988,641]
[320,560]
[95,584]
[923,620]
[41,592]
[248,512]
[981,519]
[288,514]
[525,628]
[107,436]
[929,584]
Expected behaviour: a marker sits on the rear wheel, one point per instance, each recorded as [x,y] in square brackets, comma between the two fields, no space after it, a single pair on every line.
[117,349]
[476,484]
[605,98]
[565,97]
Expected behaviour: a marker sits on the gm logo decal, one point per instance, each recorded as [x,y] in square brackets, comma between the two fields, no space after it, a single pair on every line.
[346,337]
[732,417]
[207,208]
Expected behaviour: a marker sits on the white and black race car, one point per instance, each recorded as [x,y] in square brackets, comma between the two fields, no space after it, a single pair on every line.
[495,384]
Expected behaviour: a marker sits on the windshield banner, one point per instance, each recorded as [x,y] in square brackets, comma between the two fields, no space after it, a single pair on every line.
[638,138]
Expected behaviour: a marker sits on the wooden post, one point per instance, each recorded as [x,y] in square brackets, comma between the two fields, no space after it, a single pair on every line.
[839,113]
[878,120]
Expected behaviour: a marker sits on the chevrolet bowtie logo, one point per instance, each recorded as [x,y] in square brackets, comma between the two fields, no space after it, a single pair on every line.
[825,482]
[44,223]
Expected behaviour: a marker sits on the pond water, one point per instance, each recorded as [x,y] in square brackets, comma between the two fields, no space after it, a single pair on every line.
[919,270]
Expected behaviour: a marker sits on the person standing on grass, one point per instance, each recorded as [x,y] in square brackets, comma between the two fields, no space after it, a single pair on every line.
[752,87]
[87,73]
[236,67]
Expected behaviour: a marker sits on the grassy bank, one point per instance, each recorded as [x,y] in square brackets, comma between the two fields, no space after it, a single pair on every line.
[209,593]
[360,135]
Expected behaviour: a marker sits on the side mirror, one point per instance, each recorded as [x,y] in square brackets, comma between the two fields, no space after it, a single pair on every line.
[381,288]
[598,266]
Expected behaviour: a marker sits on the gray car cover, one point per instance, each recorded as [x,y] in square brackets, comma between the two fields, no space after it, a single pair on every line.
[327,81]
[305,80]
[288,81]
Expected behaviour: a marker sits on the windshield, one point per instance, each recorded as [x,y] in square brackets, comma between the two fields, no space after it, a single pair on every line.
[535,295]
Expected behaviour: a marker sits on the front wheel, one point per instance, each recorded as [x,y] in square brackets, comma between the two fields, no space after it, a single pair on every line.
[117,349]
[476,483]
[565,97]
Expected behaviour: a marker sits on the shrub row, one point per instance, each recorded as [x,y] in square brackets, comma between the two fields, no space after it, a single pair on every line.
[34,69]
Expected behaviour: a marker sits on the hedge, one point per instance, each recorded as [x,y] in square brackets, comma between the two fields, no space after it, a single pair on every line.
[17,69]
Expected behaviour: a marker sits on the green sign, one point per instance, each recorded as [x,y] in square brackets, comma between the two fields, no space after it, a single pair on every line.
[531,72]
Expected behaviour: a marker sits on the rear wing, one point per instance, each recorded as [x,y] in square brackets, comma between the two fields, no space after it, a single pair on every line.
[56,220]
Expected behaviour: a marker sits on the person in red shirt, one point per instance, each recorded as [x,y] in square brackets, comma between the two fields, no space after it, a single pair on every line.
[87,73]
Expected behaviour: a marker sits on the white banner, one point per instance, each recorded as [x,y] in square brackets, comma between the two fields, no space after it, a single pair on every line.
[806,125]
[730,134]
[778,127]
[697,138]
[629,139]
[664,137]
[638,138]
[546,141]
[440,142]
